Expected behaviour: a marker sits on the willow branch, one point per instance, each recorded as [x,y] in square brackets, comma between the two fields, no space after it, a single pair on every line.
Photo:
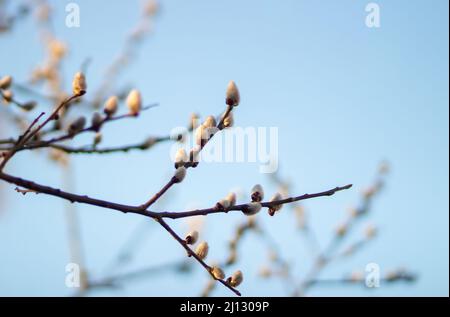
[242,207]
[191,253]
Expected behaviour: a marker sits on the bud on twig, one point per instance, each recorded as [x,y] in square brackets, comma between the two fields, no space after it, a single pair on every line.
[28,106]
[5,82]
[210,122]
[200,135]
[79,84]
[180,158]
[96,121]
[77,125]
[257,194]
[275,208]
[202,250]
[194,122]
[232,95]
[134,102]
[97,139]
[180,174]
[191,237]
[227,202]
[218,273]
[236,279]
[7,96]
[111,105]
[252,208]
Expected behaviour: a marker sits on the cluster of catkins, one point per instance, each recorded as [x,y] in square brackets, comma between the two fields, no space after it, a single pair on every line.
[204,132]
[8,96]
[252,208]
[202,250]
[79,86]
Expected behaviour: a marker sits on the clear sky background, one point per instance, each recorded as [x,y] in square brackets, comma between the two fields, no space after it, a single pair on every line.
[343,96]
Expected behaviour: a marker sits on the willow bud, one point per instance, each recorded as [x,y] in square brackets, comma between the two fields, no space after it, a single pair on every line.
[252,208]
[231,197]
[77,125]
[232,95]
[201,135]
[210,122]
[28,106]
[134,102]
[236,279]
[191,237]
[111,106]
[180,158]
[275,208]
[5,82]
[180,174]
[97,139]
[218,273]
[96,121]
[194,122]
[257,193]
[202,250]
[79,84]
[7,96]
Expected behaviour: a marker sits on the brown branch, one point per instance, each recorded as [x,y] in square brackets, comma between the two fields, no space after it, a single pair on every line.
[28,135]
[242,207]
[155,197]
[91,128]
[326,256]
[83,199]
[145,145]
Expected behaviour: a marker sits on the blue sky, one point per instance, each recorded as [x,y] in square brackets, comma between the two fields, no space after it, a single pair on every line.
[342,95]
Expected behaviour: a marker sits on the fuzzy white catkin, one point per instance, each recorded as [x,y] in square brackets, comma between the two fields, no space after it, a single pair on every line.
[202,250]
[257,193]
[231,197]
[192,237]
[111,105]
[79,84]
[180,157]
[236,279]
[200,135]
[252,208]
[276,197]
[180,174]
[134,102]
[210,122]
[232,95]
[218,273]
[5,82]
[224,203]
